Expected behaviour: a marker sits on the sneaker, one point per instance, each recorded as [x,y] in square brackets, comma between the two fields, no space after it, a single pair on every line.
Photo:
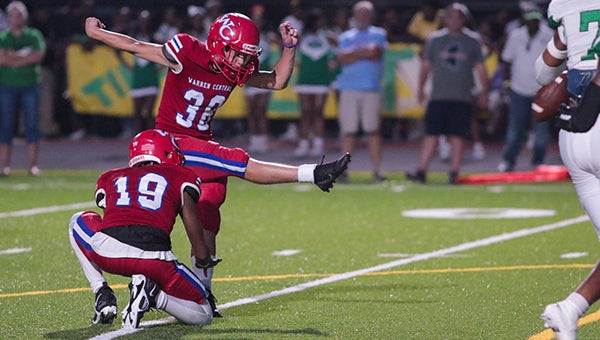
[326,174]
[318,148]
[77,135]
[478,151]
[505,166]
[212,300]
[105,307]
[34,171]
[143,292]
[562,321]
[379,177]
[256,145]
[418,176]
[302,149]
[453,177]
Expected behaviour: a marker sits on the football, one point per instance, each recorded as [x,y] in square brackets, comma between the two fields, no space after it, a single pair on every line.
[549,97]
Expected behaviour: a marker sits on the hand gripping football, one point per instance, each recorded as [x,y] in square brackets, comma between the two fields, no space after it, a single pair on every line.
[547,100]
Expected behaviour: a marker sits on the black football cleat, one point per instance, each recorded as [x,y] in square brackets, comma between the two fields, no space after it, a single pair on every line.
[326,174]
[212,300]
[105,306]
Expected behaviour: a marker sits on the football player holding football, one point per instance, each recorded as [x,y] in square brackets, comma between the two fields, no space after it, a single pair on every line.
[576,27]
[201,76]
[140,204]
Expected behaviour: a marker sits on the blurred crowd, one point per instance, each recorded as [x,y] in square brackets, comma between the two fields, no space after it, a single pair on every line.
[64,25]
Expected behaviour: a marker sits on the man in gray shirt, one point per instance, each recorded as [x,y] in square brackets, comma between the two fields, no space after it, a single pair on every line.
[451,54]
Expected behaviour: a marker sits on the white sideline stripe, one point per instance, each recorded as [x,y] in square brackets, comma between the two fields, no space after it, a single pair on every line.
[51,209]
[339,277]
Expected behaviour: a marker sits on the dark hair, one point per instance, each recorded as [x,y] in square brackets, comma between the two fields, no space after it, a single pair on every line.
[312,20]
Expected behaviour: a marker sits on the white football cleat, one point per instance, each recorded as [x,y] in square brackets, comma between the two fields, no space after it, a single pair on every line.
[562,320]
[143,292]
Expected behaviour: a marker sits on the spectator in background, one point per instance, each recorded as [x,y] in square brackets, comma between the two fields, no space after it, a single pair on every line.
[145,77]
[195,24]
[523,46]
[44,20]
[317,64]
[214,8]
[297,15]
[392,25]
[425,21]
[169,26]
[123,23]
[360,53]
[451,55]
[257,99]
[296,18]
[340,22]
[492,36]
[22,49]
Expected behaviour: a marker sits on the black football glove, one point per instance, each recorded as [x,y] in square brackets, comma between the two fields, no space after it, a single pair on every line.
[206,263]
[564,116]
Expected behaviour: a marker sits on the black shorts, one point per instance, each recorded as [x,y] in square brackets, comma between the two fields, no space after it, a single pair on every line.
[448,118]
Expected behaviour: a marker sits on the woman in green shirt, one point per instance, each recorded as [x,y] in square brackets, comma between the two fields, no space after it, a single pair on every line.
[21,51]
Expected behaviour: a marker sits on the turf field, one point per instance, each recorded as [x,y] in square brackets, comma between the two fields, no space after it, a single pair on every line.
[366,261]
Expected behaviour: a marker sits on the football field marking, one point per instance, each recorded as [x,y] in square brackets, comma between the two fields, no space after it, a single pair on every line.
[14,251]
[45,210]
[344,276]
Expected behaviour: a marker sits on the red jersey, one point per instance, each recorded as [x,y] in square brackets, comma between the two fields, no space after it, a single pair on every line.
[191,97]
[150,195]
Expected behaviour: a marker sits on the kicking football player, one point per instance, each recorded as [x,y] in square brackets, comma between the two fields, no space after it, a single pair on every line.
[573,42]
[140,205]
[201,76]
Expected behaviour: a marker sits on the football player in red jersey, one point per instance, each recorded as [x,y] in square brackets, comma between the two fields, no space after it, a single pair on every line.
[201,76]
[140,204]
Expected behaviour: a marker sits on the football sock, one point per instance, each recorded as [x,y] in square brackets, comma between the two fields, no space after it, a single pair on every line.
[578,302]
[206,280]
[306,173]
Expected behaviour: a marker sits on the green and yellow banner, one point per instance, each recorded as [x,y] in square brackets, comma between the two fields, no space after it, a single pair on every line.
[99,84]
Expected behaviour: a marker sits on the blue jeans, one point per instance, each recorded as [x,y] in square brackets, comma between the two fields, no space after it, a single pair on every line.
[519,121]
[13,99]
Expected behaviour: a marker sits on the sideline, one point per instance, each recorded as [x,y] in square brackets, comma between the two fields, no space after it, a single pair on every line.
[339,277]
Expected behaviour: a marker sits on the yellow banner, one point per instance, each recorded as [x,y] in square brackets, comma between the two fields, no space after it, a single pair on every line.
[99,84]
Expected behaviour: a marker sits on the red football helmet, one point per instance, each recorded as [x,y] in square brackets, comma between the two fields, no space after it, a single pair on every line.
[234,32]
[154,146]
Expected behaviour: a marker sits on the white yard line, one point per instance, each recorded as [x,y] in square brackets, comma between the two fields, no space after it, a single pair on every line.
[344,276]
[45,210]
[14,251]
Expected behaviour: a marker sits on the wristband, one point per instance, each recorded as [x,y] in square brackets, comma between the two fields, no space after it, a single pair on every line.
[555,52]
[202,263]
[290,46]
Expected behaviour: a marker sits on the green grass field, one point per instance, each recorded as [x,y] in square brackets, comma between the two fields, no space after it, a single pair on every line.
[356,265]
